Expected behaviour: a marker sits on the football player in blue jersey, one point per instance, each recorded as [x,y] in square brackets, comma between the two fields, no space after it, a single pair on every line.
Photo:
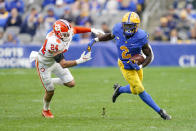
[131,40]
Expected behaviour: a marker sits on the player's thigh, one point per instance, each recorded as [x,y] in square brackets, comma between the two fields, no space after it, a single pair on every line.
[63,73]
[44,73]
[140,74]
[132,77]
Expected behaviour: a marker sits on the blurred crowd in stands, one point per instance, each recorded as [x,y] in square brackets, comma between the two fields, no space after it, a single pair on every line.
[178,25]
[28,21]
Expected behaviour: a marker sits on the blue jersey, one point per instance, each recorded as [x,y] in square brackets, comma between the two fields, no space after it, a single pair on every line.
[128,47]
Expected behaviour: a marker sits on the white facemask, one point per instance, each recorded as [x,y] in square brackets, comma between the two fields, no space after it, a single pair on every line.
[67,37]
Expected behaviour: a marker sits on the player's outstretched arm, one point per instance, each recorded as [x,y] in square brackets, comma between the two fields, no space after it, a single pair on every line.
[147,50]
[105,37]
[78,29]
[59,58]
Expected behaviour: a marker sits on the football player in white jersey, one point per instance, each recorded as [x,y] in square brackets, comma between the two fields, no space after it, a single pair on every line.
[50,59]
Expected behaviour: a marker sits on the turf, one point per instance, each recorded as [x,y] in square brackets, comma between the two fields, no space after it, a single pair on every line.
[80,108]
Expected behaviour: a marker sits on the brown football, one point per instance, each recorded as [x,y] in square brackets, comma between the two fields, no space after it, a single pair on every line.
[138,58]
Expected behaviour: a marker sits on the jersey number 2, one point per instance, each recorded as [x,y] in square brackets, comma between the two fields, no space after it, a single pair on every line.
[124,53]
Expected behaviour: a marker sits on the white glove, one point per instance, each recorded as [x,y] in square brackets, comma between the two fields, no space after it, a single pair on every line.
[97,31]
[33,56]
[84,58]
[140,66]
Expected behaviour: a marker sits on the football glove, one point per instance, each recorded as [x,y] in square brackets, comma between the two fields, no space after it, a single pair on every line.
[84,58]
[97,31]
[134,65]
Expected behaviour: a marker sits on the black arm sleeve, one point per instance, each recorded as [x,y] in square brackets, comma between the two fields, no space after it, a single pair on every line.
[59,57]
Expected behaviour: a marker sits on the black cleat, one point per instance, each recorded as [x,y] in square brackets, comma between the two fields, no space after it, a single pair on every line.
[164,115]
[116,92]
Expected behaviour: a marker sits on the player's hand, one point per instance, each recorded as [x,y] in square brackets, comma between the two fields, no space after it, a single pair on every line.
[134,65]
[84,58]
[90,44]
[97,31]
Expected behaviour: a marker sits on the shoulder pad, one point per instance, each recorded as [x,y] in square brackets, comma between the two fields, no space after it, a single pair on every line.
[50,34]
[141,34]
[51,40]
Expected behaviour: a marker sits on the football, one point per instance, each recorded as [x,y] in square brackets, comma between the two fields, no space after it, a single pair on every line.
[138,58]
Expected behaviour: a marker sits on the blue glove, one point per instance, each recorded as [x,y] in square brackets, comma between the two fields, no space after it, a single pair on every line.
[90,44]
[134,65]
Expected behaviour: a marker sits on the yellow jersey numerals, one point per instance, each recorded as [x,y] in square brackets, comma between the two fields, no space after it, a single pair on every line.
[124,53]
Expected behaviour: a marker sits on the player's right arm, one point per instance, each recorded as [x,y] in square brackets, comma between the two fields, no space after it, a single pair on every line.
[109,36]
[105,37]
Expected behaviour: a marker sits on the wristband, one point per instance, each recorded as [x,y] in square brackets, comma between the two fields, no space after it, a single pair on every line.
[96,39]
[78,61]
[140,66]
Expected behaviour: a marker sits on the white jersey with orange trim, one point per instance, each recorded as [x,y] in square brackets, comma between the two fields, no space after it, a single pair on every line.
[52,44]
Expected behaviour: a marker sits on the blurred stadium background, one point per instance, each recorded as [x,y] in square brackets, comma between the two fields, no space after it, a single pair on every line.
[171,25]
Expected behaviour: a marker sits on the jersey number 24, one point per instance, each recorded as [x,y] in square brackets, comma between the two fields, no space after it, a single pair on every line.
[52,47]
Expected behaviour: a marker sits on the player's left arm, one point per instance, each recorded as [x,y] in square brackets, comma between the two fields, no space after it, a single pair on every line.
[78,30]
[147,50]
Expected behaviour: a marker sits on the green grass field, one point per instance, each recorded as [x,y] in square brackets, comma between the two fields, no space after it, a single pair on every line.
[80,108]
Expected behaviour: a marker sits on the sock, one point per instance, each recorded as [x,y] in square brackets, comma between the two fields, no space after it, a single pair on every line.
[46,105]
[125,89]
[57,81]
[148,100]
